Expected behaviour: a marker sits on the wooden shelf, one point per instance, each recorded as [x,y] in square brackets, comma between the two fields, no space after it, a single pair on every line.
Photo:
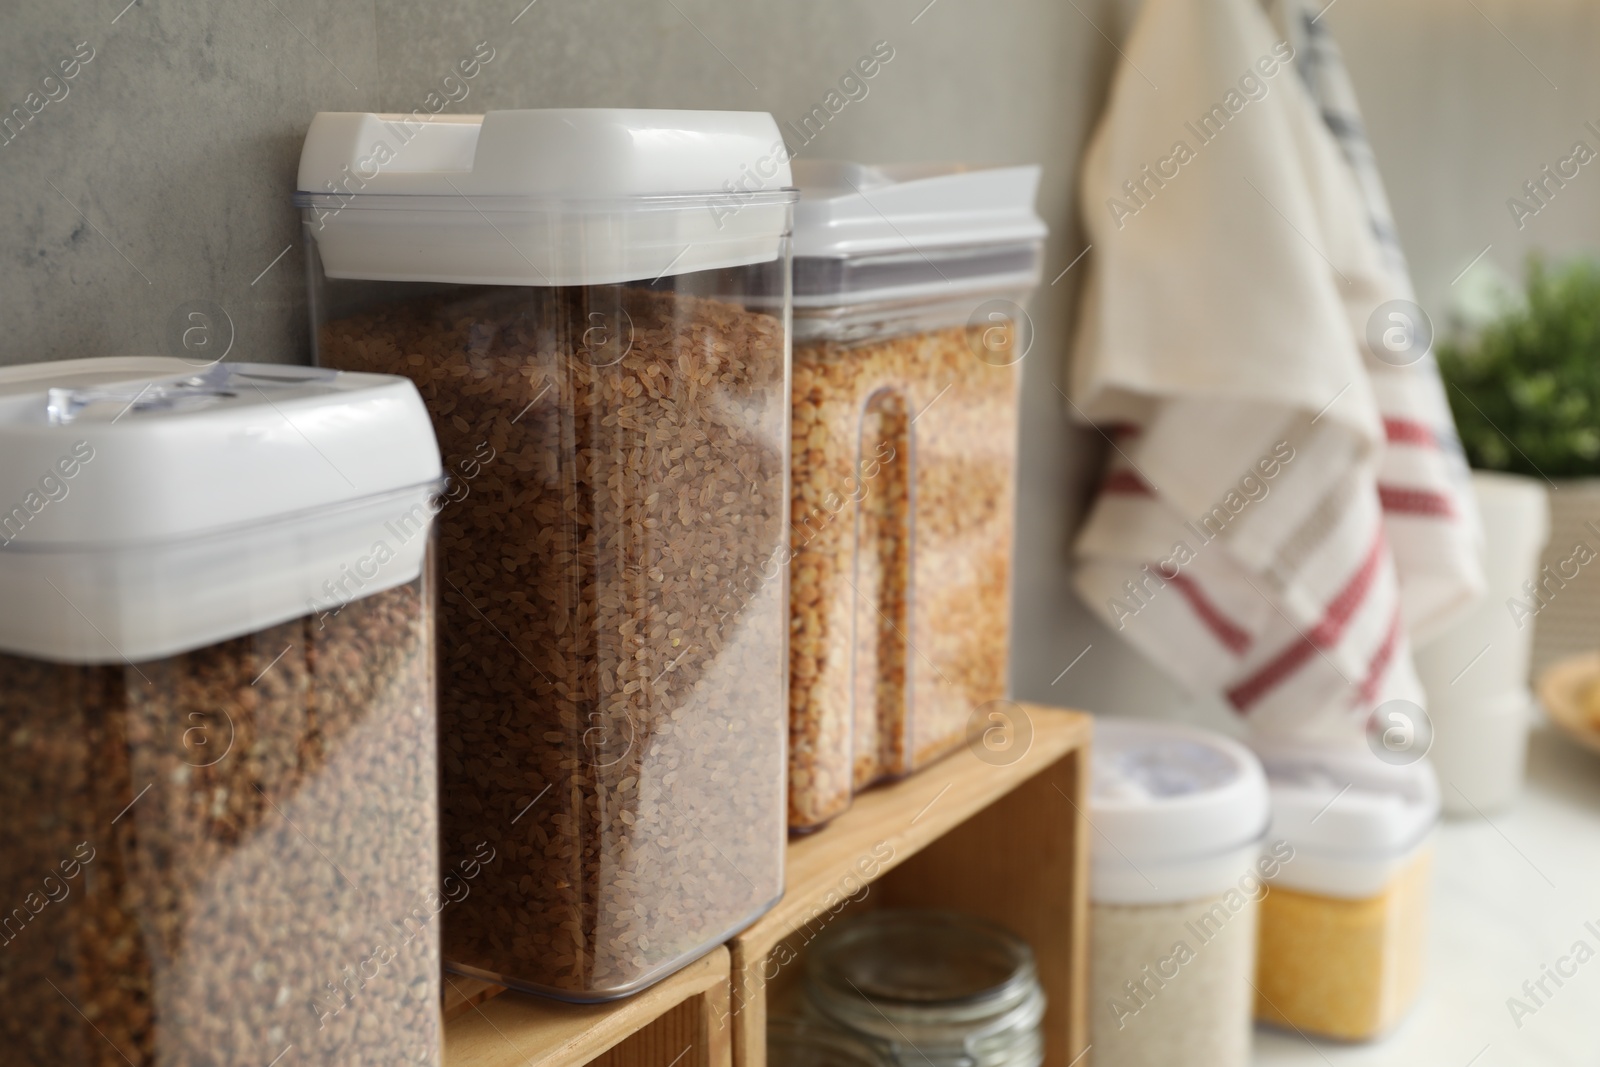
[1003,840]
[462,994]
[1006,842]
[680,1020]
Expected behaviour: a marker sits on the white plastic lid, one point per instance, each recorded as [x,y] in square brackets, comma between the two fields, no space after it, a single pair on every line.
[78,373]
[1178,812]
[1353,820]
[159,514]
[563,196]
[931,230]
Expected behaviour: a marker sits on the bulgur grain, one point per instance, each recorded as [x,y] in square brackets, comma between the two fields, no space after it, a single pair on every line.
[903,453]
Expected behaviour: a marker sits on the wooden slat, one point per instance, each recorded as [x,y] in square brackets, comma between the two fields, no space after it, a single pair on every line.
[687,1009]
[696,1031]
[1024,862]
[460,994]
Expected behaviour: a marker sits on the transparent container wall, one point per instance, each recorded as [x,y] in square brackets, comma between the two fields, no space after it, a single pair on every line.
[211,858]
[903,486]
[613,649]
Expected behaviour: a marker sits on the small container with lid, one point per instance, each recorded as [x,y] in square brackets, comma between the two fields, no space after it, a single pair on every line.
[1344,928]
[927,987]
[909,332]
[1175,876]
[218,781]
[1480,731]
[600,330]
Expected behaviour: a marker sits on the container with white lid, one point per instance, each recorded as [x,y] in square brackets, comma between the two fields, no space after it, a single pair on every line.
[1480,727]
[1343,930]
[888,249]
[594,304]
[218,799]
[1176,872]
[908,285]
[101,370]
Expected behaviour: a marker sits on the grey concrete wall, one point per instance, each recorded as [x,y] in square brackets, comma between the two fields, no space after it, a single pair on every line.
[161,172]
[163,175]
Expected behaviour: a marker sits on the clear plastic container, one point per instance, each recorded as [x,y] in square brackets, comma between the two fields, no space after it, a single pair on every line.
[1344,929]
[601,335]
[1175,882]
[930,987]
[218,788]
[909,333]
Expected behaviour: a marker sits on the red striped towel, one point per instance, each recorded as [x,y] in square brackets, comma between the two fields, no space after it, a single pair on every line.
[1282,510]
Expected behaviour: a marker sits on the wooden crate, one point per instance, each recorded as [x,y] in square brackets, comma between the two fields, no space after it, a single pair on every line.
[680,1021]
[1003,840]
[1006,842]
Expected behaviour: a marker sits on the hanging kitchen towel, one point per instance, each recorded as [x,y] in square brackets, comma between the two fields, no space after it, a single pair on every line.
[1282,507]
[1423,474]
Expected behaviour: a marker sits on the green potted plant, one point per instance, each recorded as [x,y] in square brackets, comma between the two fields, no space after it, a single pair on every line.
[1525,389]
[1523,377]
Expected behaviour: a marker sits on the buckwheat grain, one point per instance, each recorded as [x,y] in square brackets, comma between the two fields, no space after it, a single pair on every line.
[613,667]
[227,835]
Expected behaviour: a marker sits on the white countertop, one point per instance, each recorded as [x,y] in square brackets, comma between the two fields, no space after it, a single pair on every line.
[1511,894]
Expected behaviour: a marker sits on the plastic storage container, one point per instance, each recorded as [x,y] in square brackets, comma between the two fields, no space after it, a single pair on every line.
[928,987]
[1175,876]
[1480,727]
[909,331]
[1344,929]
[600,331]
[218,783]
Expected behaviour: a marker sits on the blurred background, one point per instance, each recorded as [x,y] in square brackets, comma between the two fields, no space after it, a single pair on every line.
[164,175]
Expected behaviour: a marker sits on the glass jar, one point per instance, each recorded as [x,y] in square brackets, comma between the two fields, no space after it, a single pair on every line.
[930,987]
[1175,878]
[799,1043]
[909,333]
[1344,929]
[218,788]
[600,332]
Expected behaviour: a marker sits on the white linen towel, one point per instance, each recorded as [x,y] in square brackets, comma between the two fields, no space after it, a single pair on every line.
[1282,509]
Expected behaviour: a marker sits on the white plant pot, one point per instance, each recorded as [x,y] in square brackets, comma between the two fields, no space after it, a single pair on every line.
[1569,622]
[1476,673]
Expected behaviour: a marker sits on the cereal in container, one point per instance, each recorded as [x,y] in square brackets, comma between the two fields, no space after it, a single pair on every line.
[1177,873]
[909,332]
[218,787]
[599,328]
[1344,930]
